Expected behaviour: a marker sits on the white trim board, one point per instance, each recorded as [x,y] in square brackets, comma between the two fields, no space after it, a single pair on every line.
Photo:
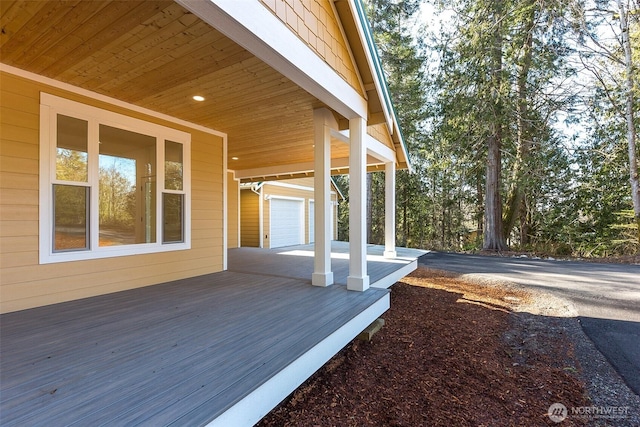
[397,275]
[292,186]
[375,148]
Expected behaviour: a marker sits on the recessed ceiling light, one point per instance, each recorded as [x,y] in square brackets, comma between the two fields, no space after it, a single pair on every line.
[234,158]
[198,98]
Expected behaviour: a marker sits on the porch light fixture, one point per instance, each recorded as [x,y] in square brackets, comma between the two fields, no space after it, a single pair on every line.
[234,158]
[198,98]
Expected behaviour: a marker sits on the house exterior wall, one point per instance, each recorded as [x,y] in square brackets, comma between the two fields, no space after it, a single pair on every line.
[315,23]
[286,189]
[24,282]
[233,211]
[249,219]
[381,133]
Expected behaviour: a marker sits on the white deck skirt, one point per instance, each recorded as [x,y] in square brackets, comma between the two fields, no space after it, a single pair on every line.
[386,282]
[257,404]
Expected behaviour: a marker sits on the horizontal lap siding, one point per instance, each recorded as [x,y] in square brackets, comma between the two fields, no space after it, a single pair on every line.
[24,283]
[233,201]
[249,219]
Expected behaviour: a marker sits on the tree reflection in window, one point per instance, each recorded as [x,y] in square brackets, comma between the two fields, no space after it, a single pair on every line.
[70,196]
[70,213]
[127,209]
[173,197]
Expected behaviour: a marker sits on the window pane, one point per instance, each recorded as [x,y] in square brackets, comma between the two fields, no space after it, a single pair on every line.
[71,153]
[127,198]
[70,224]
[172,165]
[172,205]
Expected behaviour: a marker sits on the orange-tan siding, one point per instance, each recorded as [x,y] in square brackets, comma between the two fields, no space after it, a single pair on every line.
[233,211]
[249,219]
[316,24]
[381,133]
[24,283]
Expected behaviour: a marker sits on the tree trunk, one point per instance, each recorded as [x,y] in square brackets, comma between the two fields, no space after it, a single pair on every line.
[525,220]
[480,213]
[631,130]
[493,235]
[518,182]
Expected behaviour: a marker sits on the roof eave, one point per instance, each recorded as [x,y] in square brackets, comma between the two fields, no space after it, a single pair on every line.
[375,66]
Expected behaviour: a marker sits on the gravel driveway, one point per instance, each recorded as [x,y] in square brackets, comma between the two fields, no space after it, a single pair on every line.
[605,299]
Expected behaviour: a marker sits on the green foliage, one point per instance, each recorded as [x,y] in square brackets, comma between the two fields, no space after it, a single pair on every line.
[117,197]
[508,71]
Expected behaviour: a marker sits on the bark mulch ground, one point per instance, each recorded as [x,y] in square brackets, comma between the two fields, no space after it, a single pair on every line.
[452,353]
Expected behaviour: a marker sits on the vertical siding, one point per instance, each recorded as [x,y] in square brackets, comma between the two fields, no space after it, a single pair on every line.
[249,219]
[316,24]
[233,214]
[23,282]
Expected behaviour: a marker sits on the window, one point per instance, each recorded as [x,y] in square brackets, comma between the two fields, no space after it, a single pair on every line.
[111,185]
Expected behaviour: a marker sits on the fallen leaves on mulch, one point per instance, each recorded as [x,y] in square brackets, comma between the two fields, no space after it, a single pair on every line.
[452,353]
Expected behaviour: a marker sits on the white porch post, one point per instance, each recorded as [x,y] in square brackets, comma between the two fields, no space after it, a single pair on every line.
[390,210]
[358,280]
[322,274]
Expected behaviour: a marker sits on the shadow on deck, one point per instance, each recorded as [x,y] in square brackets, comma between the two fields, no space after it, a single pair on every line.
[219,349]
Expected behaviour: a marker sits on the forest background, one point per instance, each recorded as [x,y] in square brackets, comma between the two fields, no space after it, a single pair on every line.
[520,120]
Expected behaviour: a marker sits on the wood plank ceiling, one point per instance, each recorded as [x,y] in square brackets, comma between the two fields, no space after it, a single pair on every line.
[157,55]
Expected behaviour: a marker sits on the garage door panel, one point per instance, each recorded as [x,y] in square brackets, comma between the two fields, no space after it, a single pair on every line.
[287,222]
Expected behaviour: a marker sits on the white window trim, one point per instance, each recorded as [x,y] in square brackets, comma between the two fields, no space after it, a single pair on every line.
[51,105]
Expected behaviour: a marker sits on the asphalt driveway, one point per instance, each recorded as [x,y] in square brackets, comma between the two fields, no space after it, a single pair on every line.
[606,296]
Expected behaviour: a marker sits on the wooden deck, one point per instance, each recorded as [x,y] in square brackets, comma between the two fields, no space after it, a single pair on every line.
[222,348]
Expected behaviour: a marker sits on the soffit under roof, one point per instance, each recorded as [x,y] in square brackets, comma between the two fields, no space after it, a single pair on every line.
[157,55]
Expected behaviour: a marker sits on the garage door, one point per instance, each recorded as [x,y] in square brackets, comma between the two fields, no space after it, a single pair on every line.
[287,222]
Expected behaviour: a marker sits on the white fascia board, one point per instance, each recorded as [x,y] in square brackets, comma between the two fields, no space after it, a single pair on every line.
[340,136]
[380,151]
[375,148]
[255,28]
[287,185]
[295,168]
[340,195]
[373,60]
[376,66]
[404,149]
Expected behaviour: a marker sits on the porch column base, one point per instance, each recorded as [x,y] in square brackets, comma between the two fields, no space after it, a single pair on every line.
[322,279]
[359,284]
[390,254]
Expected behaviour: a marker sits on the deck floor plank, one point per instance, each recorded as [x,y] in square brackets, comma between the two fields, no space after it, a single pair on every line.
[179,352]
